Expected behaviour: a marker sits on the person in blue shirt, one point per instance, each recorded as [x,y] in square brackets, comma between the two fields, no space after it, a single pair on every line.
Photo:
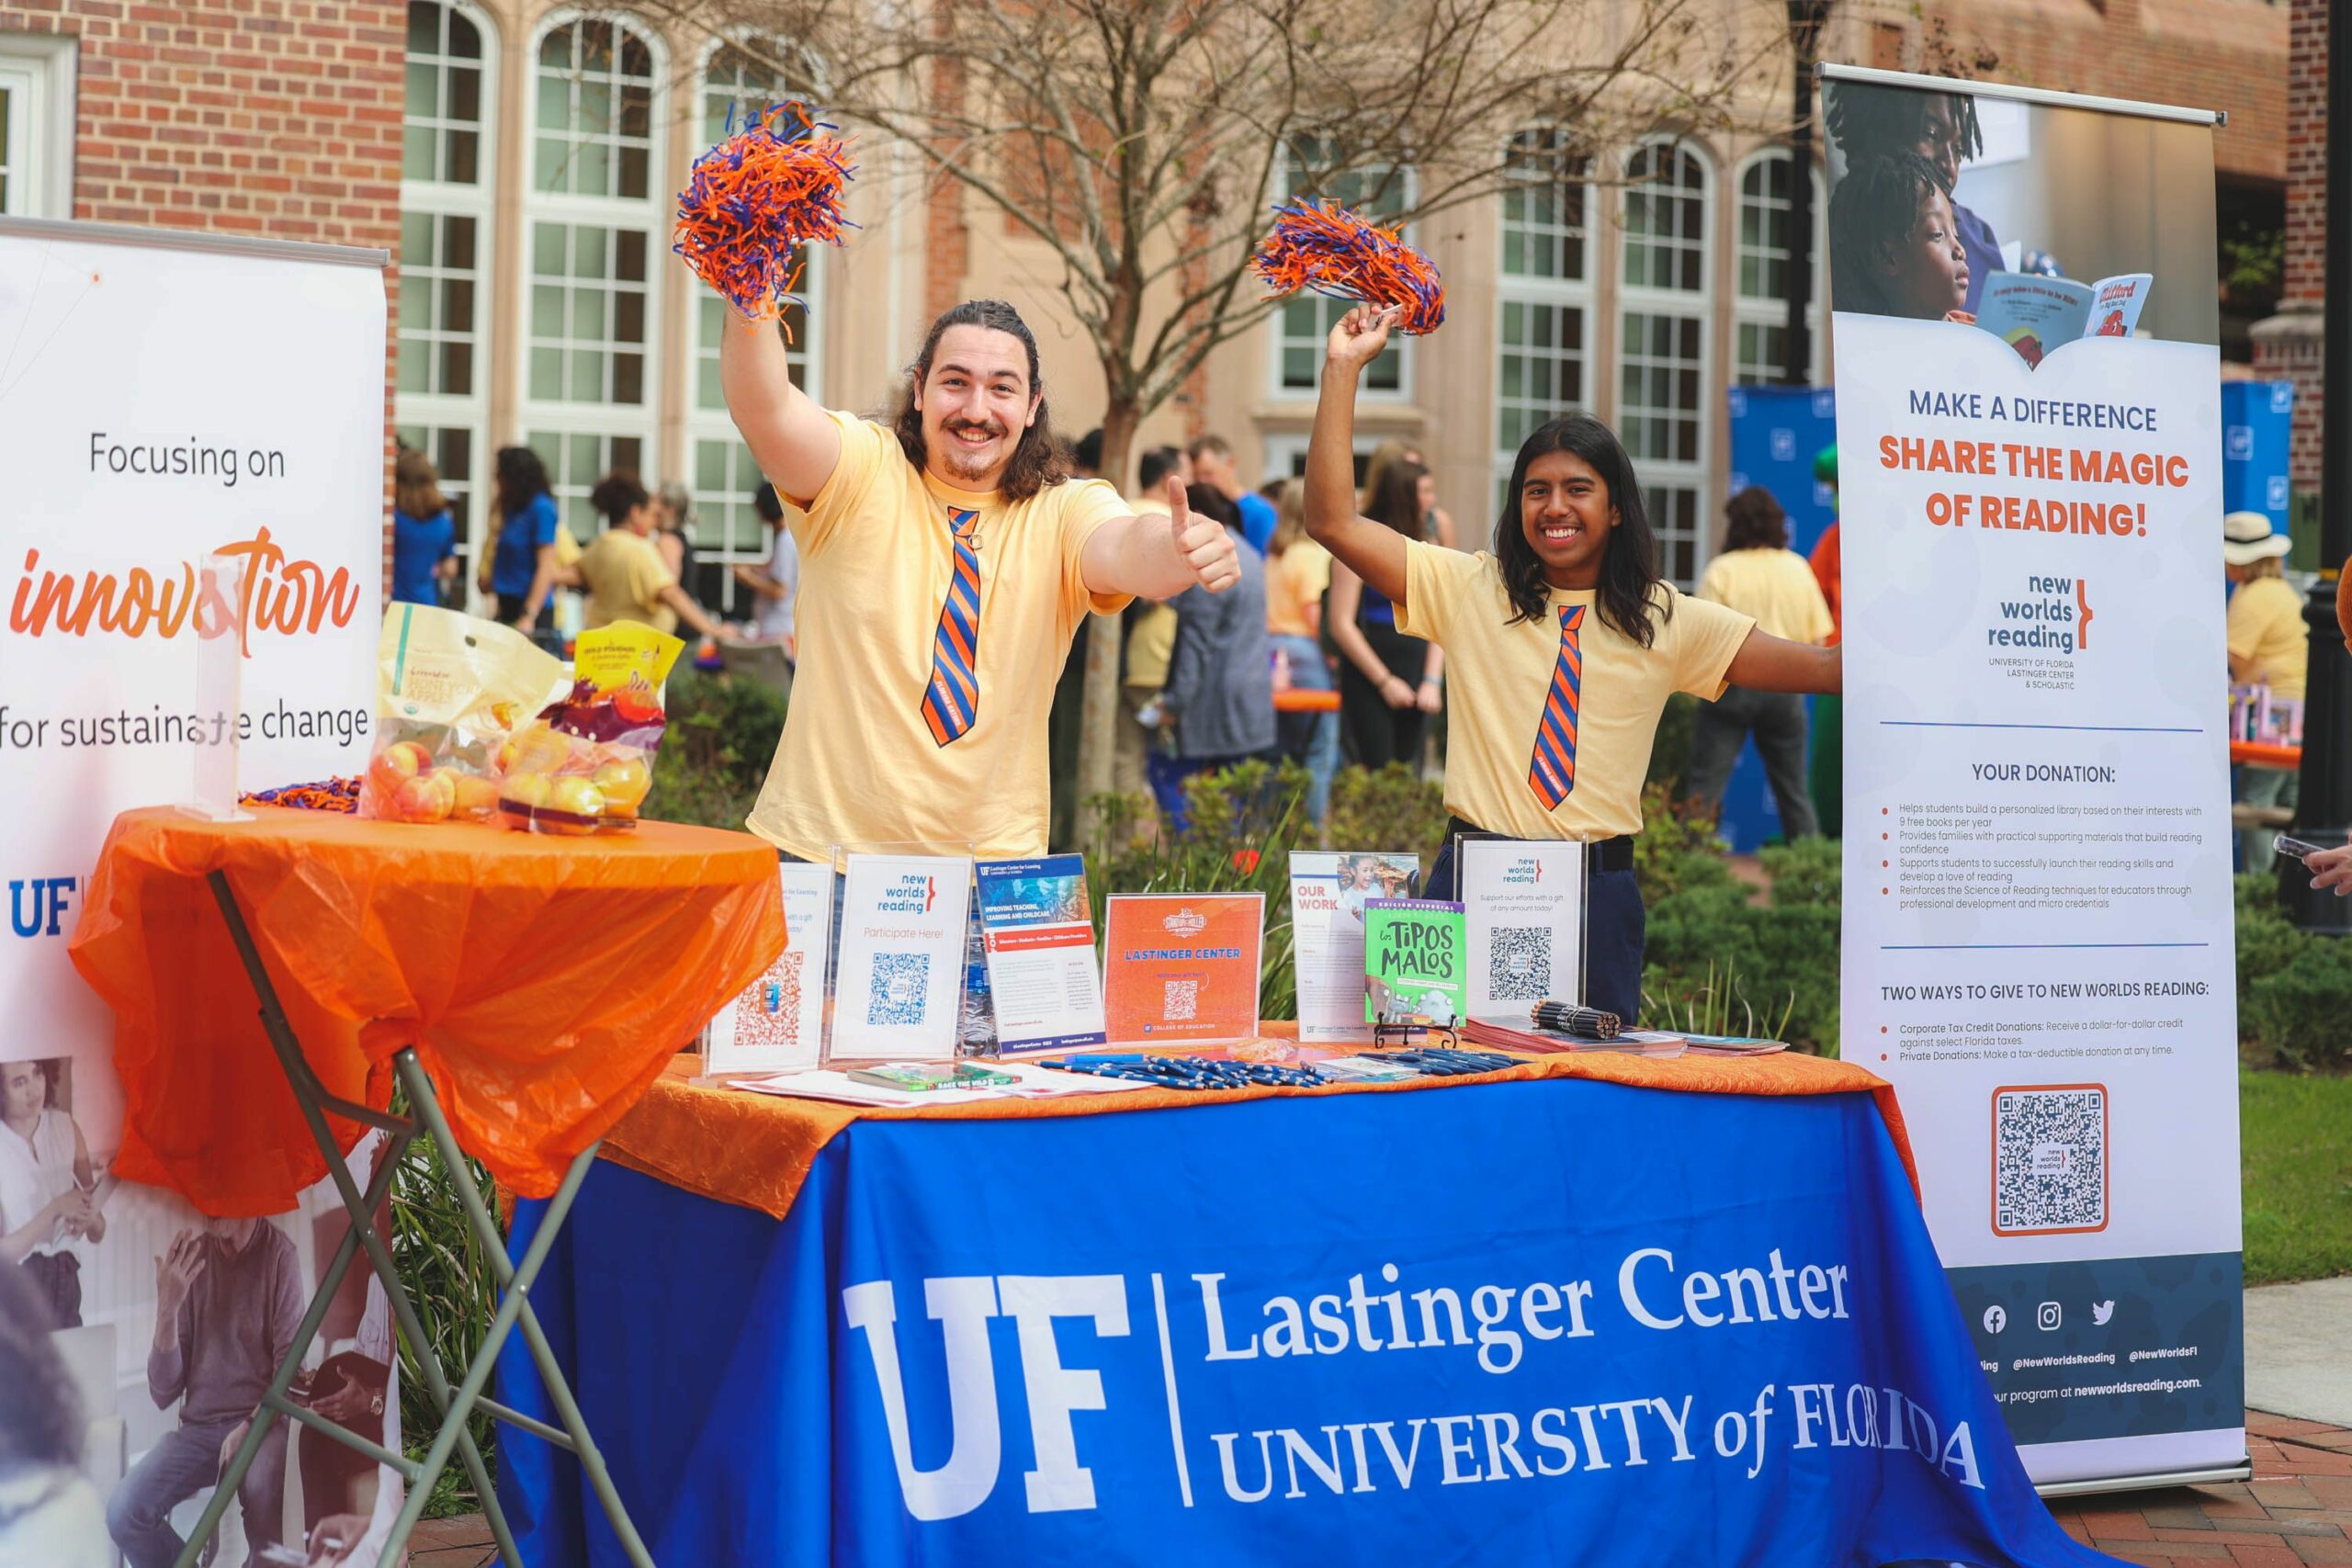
[521,571]
[425,539]
[1213,466]
[1867,120]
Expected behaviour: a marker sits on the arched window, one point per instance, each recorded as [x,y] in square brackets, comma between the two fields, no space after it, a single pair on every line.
[593,223]
[1760,306]
[738,79]
[1545,289]
[441,401]
[1664,380]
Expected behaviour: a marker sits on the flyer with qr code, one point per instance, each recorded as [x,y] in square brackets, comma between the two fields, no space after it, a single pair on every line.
[2038,908]
[1182,968]
[777,1025]
[1039,932]
[1523,902]
[901,967]
[1327,893]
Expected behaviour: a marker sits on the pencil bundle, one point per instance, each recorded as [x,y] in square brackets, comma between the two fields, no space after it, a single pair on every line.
[1324,247]
[756,199]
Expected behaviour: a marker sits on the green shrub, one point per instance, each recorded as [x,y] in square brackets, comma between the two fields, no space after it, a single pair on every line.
[1671,751]
[1716,960]
[1677,850]
[1394,809]
[715,754]
[2300,1011]
[1808,870]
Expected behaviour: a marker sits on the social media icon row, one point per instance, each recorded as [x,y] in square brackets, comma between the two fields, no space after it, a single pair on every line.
[2047,1317]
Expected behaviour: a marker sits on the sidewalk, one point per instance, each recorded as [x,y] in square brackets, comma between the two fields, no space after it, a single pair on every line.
[2297,1510]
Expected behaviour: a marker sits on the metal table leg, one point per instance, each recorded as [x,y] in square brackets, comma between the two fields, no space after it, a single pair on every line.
[455,1406]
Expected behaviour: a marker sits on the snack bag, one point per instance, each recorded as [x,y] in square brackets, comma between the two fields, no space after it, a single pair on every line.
[450,691]
[586,764]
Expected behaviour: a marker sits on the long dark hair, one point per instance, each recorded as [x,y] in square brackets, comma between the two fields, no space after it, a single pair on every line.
[522,478]
[1866,118]
[1753,520]
[1629,577]
[1396,499]
[1038,460]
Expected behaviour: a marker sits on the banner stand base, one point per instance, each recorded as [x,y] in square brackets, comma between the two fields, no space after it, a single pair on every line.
[2242,1471]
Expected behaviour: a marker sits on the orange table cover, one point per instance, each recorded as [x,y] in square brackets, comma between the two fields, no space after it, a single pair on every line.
[544,981]
[756,1150]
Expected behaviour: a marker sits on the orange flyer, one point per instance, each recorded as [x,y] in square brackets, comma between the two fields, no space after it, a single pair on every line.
[1182,968]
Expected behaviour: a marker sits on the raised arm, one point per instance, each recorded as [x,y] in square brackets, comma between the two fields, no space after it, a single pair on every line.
[1373,553]
[1767,663]
[793,442]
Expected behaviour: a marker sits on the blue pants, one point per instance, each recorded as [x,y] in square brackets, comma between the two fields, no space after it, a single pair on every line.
[186,1461]
[1319,749]
[1615,926]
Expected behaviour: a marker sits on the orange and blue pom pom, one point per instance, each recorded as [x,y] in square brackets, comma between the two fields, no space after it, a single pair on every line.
[756,199]
[1324,247]
[327,795]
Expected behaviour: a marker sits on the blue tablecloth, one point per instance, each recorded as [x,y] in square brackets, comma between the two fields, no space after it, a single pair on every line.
[1554,1322]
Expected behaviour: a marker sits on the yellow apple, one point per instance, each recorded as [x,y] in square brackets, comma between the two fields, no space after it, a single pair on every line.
[529,790]
[540,750]
[625,782]
[477,797]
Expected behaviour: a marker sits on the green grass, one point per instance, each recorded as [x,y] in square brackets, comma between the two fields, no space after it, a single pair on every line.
[2297,1154]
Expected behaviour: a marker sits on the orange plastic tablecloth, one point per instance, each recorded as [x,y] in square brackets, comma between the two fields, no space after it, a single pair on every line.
[2265,756]
[756,1150]
[544,982]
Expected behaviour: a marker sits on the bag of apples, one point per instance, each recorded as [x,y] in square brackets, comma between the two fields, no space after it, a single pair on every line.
[450,692]
[586,765]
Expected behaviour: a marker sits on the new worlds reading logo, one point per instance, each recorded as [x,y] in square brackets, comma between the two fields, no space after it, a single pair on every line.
[912,894]
[1525,872]
[2053,615]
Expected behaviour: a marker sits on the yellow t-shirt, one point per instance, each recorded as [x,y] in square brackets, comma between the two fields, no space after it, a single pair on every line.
[625,574]
[1295,583]
[1498,675]
[856,763]
[1776,587]
[2266,626]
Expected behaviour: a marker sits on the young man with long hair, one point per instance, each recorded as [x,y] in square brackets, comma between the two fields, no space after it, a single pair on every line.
[948,559]
[1562,647]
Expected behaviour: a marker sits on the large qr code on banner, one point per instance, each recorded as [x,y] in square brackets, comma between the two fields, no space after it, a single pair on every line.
[900,989]
[2050,1159]
[767,1016]
[1180,999]
[1519,965]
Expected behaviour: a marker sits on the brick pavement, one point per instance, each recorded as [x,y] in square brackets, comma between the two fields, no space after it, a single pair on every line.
[2297,1510]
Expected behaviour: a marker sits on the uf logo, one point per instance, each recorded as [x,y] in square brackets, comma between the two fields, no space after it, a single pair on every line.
[962,1306]
[2237,443]
[43,913]
[1784,445]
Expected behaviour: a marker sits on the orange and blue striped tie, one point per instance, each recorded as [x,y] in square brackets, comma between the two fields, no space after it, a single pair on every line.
[1553,774]
[952,702]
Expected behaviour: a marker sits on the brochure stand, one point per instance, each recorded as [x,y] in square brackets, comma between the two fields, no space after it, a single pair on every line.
[972,1031]
[220,680]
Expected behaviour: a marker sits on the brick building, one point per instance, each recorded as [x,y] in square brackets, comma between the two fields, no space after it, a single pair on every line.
[2288,346]
[520,158]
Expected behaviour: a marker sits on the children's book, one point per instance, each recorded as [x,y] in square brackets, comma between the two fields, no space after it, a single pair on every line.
[2034,314]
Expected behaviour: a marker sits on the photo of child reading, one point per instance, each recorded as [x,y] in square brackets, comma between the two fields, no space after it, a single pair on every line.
[1866,121]
[1894,247]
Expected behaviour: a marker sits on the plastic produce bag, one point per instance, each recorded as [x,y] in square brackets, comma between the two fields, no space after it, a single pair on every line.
[586,765]
[450,692]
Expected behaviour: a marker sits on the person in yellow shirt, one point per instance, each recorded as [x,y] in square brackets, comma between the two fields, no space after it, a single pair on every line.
[623,571]
[947,560]
[1298,570]
[2269,646]
[1150,645]
[1562,644]
[1761,577]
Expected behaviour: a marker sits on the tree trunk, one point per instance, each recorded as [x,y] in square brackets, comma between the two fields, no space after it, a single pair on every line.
[1099,714]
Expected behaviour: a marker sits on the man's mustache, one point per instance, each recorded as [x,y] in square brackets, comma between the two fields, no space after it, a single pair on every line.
[988,427]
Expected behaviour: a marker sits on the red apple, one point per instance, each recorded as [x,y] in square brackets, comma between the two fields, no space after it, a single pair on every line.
[396,764]
[429,798]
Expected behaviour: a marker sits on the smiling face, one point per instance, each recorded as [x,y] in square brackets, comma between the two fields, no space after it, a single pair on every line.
[975,402]
[1567,514]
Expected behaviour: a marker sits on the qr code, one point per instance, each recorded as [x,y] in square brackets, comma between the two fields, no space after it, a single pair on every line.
[767,1016]
[1519,965]
[1180,999]
[899,988]
[2050,1159]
